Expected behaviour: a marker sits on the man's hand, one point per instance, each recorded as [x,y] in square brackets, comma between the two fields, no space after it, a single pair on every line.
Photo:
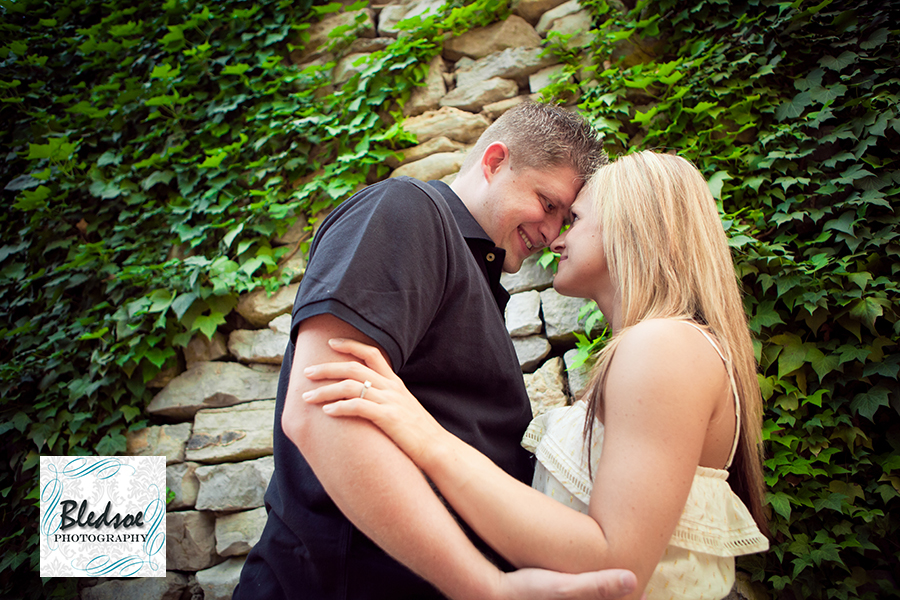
[538,584]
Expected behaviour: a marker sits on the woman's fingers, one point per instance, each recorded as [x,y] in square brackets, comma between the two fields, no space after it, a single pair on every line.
[344,370]
[538,583]
[354,407]
[370,355]
[340,390]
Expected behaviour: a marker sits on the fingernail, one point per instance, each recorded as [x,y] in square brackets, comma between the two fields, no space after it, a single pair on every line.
[307,395]
[328,408]
[336,341]
[309,370]
[627,580]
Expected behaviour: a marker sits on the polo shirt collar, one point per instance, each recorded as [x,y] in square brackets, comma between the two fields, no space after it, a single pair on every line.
[480,243]
[464,219]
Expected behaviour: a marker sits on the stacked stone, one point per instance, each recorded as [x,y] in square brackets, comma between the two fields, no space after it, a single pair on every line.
[218,413]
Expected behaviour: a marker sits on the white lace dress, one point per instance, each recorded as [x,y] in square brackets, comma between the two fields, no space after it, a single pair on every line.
[715,526]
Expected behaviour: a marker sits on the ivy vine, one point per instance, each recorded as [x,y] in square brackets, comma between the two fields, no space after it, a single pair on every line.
[790,111]
[155,151]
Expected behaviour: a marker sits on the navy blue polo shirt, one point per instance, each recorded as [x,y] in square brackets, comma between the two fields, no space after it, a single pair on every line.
[406,264]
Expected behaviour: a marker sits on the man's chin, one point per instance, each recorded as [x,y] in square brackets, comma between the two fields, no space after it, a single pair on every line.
[512,266]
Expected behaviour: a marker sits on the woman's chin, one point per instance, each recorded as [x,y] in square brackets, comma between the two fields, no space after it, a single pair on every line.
[562,289]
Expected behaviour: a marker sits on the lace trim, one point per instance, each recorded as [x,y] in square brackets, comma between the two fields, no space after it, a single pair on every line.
[697,529]
[746,540]
[533,435]
[579,486]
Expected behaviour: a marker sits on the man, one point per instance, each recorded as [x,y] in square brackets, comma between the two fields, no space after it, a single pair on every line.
[414,269]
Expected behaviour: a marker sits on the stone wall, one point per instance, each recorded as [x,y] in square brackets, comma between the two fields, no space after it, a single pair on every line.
[215,416]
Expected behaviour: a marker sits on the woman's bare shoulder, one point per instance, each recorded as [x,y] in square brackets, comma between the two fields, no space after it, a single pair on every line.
[669,353]
[667,334]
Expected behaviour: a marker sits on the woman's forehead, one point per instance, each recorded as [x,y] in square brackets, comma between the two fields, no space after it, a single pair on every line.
[583,198]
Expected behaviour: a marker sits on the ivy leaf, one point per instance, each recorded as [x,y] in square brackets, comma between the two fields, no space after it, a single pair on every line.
[157,177]
[106,190]
[644,118]
[794,107]
[715,183]
[214,160]
[165,71]
[765,316]
[843,223]
[833,502]
[824,95]
[229,237]
[739,241]
[868,402]
[158,356]
[867,310]
[160,300]
[111,445]
[161,100]
[94,335]
[837,64]
[207,324]
[130,412]
[238,69]
[55,149]
[791,358]
[22,182]
[780,502]
[20,421]
[109,158]
[700,107]
[877,39]
[32,200]
[860,279]
[822,363]
[848,353]
[182,303]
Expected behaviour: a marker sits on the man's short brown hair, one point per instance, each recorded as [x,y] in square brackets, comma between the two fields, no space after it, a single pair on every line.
[542,136]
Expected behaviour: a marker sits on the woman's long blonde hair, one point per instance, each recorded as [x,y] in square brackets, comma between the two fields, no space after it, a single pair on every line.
[668,257]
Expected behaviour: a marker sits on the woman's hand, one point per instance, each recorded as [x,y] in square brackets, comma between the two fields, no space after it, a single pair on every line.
[539,584]
[385,401]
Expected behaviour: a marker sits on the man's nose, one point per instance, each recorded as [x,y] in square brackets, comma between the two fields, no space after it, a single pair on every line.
[550,229]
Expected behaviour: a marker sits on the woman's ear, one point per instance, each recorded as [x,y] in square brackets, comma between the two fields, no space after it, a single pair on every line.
[495,156]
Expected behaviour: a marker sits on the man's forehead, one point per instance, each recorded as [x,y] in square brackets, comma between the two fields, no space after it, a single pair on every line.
[561,185]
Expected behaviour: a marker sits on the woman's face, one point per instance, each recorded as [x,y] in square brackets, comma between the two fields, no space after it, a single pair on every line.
[582,270]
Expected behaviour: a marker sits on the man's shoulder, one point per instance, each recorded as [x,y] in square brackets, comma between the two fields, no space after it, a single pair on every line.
[398,202]
[403,191]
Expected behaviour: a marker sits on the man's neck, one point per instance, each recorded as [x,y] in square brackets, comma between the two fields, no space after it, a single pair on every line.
[466,187]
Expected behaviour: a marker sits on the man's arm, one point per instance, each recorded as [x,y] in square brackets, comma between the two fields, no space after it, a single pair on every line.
[374,484]
[384,494]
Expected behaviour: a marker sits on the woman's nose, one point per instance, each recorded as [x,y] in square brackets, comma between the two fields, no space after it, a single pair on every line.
[559,243]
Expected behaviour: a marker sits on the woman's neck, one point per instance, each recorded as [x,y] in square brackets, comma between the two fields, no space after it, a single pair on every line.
[611,309]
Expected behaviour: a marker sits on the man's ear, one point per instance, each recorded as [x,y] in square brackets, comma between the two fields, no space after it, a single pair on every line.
[494,158]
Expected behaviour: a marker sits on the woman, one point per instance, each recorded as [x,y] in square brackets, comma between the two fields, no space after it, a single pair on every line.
[672,411]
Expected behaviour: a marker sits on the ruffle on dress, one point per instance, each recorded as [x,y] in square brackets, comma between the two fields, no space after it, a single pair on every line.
[714,520]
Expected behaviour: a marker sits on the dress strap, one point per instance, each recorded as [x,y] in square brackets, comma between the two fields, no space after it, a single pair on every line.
[734,392]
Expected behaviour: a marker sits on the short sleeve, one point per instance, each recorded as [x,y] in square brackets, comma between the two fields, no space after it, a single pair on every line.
[379,262]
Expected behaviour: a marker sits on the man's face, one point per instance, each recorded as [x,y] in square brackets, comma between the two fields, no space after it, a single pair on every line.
[526,208]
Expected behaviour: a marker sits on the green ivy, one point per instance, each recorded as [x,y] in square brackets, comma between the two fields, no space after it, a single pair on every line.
[790,111]
[154,151]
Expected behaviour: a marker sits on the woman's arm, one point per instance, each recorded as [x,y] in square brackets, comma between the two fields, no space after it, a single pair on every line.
[354,460]
[662,387]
